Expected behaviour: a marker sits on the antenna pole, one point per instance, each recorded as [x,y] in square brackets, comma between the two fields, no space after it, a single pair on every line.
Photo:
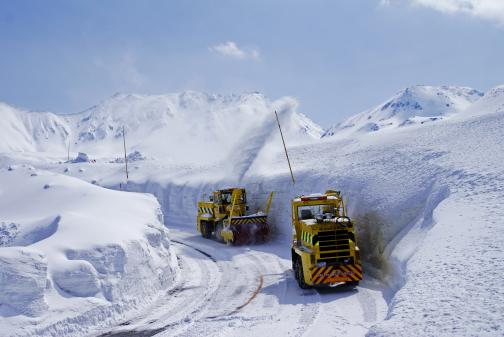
[125,156]
[285,148]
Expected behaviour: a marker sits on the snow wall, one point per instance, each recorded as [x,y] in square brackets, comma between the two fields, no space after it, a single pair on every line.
[384,206]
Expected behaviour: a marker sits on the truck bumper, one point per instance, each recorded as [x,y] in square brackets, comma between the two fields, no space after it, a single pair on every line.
[333,274]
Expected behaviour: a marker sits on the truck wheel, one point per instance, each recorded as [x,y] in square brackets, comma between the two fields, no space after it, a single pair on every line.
[298,272]
[206,230]
[218,230]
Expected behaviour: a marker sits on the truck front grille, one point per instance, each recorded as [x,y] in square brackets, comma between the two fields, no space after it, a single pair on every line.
[333,240]
[334,246]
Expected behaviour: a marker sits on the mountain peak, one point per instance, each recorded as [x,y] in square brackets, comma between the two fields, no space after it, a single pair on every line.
[417,104]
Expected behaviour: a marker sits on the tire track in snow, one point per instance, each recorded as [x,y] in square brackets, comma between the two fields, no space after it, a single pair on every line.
[368,304]
[308,311]
[239,286]
[196,249]
[183,301]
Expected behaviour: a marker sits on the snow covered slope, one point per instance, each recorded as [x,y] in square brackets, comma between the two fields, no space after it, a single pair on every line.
[413,105]
[31,131]
[426,199]
[491,102]
[209,126]
[74,255]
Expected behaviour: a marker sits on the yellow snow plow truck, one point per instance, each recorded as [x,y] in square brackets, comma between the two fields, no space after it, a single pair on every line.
[224,216]
[324,250]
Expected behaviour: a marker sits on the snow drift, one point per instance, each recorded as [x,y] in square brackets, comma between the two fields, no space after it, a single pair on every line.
[70,248]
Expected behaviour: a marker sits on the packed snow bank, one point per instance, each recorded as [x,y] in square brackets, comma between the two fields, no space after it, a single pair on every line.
[23,281]
[74,255]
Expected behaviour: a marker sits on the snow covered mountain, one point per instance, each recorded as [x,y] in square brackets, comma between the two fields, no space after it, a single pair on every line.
[209,126]
[491,102]
[411,106]
[31,131]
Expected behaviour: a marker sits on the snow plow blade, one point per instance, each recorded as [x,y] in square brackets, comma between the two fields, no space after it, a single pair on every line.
[247,230]
[225,217]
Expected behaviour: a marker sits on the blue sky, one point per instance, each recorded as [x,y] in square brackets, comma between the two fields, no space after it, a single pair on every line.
[336,57]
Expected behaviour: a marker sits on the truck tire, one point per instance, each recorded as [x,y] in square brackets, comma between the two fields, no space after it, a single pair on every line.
[218,229]
[293,258]
[206,229]
[299,274]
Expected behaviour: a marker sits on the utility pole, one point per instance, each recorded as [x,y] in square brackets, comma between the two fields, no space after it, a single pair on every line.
[68,151]
[125,156]
[285,148]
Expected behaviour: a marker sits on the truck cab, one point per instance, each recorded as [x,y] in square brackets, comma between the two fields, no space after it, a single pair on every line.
[324,248]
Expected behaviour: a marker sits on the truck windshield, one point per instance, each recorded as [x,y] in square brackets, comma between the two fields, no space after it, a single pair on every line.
[316,211]
[226,197]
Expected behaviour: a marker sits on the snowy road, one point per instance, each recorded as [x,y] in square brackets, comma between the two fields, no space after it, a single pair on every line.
[226,291]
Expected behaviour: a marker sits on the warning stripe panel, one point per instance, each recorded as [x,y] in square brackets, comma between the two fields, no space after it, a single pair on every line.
[356,271]
[330,274]
[241,221]
[350,273]
[324,275]
[308,237]
[205,210]
[317,273]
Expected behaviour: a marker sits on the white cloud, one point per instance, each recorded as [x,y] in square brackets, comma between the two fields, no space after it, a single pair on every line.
[230,49]
[486,9]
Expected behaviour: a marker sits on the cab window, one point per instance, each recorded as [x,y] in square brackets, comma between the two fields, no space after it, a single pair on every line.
[316,211]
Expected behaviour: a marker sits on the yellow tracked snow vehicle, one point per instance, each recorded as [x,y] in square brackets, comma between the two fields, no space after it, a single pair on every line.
[224,216]
[324,249]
